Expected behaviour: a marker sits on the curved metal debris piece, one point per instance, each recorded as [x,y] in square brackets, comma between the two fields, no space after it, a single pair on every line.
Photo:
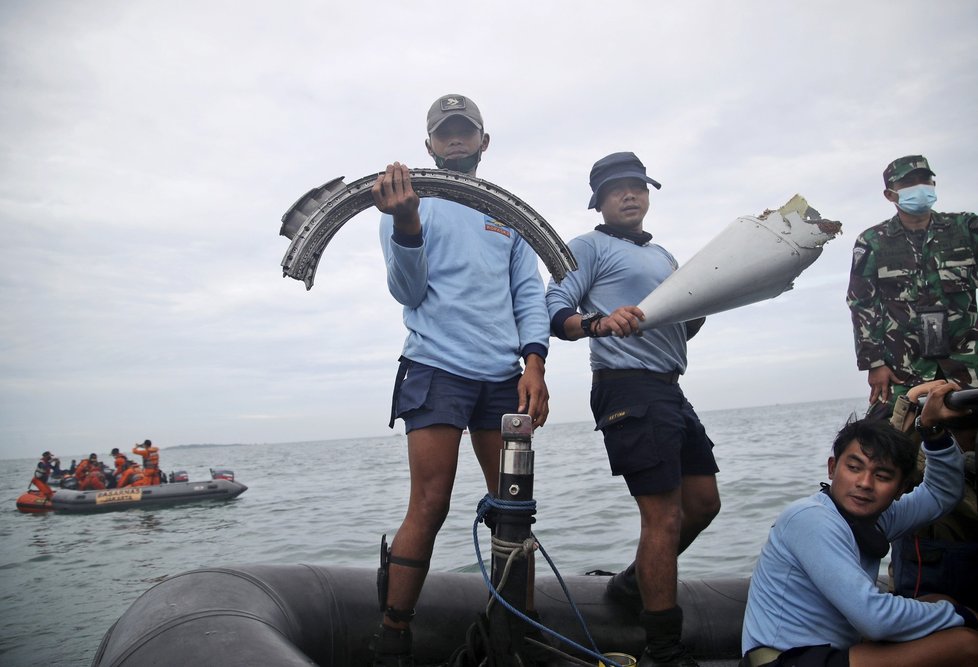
[316,217]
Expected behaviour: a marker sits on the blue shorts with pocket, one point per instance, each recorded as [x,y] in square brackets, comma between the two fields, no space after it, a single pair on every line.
[651,432]
[426,396]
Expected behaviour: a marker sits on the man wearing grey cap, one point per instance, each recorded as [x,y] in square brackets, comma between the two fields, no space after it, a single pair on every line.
[652,434]
[912,289]
[474,308]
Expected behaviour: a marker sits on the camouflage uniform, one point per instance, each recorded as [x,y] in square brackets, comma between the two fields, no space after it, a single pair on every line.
[889,285]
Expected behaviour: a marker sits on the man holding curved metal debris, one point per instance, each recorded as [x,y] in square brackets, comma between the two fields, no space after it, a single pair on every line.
[912,289]
[474,307]
[651,432]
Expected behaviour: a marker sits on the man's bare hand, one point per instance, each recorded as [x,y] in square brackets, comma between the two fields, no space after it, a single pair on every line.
[880,379]
[923,389]
[532,390]
[934,410]
[621,322]
[393,194]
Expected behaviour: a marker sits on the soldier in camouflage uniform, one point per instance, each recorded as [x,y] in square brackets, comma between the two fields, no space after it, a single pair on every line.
[912,289]
[912,297]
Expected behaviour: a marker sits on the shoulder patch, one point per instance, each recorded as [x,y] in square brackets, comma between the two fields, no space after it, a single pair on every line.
[498,227]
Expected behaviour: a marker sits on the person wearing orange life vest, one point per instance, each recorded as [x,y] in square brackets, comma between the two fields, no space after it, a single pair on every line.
[140,478]
[81,470]
[127,474]
[121,462]
[42,473]
[133,475]
[151,460]
[89,474]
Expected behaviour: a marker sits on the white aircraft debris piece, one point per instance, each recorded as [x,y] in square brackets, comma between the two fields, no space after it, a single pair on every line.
[753,259]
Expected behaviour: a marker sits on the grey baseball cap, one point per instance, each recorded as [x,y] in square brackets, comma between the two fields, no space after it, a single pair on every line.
[447,106]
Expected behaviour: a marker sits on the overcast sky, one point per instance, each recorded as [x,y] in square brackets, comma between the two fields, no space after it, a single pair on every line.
[149,149]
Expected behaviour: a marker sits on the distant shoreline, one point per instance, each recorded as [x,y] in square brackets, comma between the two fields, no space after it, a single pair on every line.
[588,422]
[66,459]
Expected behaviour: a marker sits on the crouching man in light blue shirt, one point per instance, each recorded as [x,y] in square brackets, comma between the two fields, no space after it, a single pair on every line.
[813,596]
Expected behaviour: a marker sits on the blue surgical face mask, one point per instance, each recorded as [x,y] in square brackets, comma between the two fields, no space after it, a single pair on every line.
[916,199]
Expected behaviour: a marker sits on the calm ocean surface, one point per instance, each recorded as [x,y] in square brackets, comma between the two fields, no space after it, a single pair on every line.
[64,579]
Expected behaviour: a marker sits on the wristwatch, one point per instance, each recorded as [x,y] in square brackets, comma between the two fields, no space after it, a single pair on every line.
[928,432]
[588,323]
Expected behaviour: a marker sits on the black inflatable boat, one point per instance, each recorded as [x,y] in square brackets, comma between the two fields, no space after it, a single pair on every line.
[287,615]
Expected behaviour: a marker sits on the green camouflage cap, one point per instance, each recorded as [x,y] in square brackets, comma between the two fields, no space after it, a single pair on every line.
[902,166]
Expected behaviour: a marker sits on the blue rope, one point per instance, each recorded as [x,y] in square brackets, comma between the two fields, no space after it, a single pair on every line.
[488,502]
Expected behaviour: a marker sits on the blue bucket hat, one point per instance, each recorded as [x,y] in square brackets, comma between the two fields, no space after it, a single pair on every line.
[614,167]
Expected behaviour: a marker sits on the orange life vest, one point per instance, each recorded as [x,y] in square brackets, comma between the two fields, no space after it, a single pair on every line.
[141,479]
[82,470]
[131,476]
[151,459]
[95,479]
[120,463]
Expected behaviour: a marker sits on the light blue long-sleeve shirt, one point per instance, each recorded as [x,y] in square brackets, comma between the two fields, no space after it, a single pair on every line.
[611,273]
[811,584]
[473,297]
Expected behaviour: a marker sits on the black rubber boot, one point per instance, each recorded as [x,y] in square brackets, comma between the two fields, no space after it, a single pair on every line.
[623,589]
[663,634]
[392,648]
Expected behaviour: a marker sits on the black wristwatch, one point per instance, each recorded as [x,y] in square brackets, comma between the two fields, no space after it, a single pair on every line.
[589,323]
[928,433]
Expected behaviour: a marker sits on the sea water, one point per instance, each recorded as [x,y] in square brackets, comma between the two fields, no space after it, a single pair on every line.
[64,579]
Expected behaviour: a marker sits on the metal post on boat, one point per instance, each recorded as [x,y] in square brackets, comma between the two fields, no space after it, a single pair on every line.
[512,527]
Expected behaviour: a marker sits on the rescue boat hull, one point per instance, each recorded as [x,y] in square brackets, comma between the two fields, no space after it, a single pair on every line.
[107,500]
[304,614]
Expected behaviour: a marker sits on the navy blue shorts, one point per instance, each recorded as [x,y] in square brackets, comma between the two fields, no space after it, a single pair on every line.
[809,656]
[426,396]
[651,432]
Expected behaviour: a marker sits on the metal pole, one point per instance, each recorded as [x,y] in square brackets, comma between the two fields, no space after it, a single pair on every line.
[512,525]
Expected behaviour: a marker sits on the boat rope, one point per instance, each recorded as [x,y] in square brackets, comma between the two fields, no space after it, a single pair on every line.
[510,551]
[513,550]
